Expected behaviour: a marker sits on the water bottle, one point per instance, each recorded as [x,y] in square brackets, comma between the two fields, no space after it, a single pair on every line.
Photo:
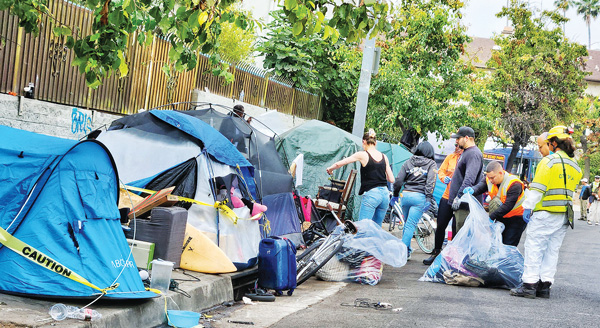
[60,312]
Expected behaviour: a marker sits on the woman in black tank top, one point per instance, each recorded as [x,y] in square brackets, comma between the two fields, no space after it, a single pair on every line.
[375,172]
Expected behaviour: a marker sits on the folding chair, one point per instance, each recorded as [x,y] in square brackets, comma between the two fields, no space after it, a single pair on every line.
[337,195]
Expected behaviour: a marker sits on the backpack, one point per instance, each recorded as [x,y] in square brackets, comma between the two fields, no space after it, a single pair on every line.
[586,193]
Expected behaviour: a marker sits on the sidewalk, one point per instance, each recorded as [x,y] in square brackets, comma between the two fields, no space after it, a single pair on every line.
[210,290]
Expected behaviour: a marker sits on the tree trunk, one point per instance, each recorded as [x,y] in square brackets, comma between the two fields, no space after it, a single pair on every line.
[586,158]
[513,154]
[565,23]
[589,36]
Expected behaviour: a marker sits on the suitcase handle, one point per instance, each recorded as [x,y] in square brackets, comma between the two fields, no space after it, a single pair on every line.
[271,241]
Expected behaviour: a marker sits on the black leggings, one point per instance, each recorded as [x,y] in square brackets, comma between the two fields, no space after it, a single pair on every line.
[445,214]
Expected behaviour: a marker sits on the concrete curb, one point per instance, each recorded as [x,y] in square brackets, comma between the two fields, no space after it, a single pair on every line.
[209,291]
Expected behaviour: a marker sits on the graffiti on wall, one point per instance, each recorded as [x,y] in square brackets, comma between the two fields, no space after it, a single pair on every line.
[81,122]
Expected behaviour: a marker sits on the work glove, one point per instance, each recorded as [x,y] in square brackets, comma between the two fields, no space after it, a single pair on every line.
[526,215]
[447,180]
[468,190]
[455,204]
[393,201]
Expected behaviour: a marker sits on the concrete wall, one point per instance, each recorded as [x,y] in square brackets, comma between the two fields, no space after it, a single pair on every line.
[74,123]
[51,119]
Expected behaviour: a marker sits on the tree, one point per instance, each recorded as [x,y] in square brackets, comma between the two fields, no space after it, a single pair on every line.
[316,65]
[589,9]
[587,113]
[423,85]
[290,56]
[237,44]
[538,75]
[191,26]
[564,5]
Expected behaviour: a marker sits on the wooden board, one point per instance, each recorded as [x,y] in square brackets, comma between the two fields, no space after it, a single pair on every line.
[128,199]
[200,254]
[161,198]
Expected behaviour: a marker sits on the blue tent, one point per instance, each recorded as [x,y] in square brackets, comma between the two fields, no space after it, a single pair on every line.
[61,233]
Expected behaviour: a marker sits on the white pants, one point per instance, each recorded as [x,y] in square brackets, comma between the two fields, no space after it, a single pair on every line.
[545,234]
[594,212]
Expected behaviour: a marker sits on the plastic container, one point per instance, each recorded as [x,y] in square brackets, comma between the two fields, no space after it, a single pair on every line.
[182,319]
[161,275]
[61,312]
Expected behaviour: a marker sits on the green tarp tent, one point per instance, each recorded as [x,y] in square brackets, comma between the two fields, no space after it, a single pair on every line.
[396,154]
[324,144]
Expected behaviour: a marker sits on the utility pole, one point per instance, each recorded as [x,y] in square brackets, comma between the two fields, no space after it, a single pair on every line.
[362,98]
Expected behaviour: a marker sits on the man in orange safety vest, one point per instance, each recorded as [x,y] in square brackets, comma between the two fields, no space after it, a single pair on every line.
[507,195]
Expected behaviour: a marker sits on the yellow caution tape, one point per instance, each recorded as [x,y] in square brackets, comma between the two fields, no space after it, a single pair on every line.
[45,261]
[222,206]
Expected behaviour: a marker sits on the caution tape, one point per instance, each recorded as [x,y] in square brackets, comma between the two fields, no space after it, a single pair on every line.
[222,206]
[45,261]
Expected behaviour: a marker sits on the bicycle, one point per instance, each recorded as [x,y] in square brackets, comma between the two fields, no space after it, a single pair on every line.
[424,231]
[321,251]
[319,225]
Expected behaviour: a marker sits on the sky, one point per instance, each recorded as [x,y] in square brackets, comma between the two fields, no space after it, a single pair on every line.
[480,18]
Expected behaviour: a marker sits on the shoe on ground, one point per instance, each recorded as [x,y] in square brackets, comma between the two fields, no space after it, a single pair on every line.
[431,258]
[408,256]
[589,222]
[543,289]
[526,290]
[596,223]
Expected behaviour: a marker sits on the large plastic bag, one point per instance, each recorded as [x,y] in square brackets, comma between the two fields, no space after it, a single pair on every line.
[363,254]
[476,256]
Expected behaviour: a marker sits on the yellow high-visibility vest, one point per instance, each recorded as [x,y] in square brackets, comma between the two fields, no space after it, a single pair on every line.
[550,182]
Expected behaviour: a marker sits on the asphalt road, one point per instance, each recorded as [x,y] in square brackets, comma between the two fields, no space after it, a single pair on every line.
[574,301]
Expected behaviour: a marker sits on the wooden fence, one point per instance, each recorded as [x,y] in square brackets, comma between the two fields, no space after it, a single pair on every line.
[46,61]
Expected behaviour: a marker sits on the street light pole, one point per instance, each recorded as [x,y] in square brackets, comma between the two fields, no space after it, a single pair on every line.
[362,98]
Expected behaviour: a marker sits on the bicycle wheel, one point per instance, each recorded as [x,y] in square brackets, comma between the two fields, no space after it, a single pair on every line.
[425,235]
[309,265]
[309,251]
[393,220]
[396,220]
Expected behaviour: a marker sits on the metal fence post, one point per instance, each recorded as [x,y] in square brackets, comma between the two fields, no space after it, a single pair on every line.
[232,83]
[264,98]
[293,98]
[149,80]
[17,61]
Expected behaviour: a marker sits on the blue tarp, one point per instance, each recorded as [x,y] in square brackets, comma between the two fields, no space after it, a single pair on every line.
[65,194]
[214,142]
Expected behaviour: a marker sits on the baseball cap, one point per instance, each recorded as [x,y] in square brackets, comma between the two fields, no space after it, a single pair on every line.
[584,180]
[464,131]
[597,177]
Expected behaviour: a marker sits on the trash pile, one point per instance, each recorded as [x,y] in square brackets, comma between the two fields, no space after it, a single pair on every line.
[476,256]
[363,255]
